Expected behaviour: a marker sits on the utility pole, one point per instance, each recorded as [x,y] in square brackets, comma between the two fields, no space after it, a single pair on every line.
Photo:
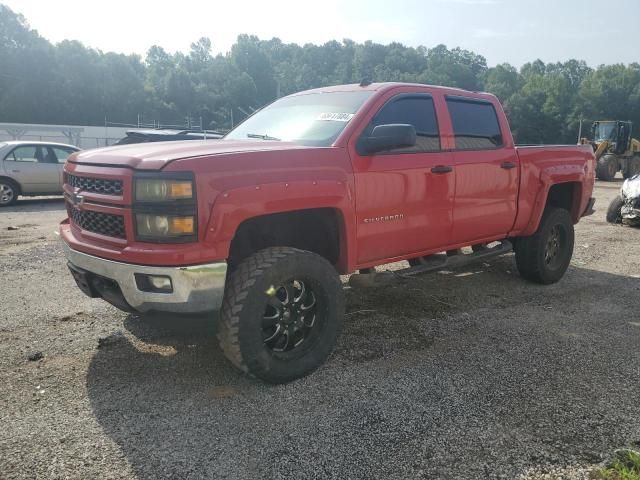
[580,130]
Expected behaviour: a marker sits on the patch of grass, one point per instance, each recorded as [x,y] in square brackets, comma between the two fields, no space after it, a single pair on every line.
[625,465]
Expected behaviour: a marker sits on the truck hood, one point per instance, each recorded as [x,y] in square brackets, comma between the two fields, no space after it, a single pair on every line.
[156,155]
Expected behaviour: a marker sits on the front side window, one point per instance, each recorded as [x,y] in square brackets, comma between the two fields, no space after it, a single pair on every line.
[475,124]
[416,110]
[314,119]
[605,131]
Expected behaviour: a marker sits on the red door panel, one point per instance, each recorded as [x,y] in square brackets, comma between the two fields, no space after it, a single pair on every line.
[402,207]
[486,194]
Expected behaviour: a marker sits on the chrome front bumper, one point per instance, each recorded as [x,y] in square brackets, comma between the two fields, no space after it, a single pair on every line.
[196,289]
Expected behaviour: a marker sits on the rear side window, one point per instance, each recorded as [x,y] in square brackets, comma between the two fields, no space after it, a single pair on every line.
[30,154]
[416,110]
[475,124]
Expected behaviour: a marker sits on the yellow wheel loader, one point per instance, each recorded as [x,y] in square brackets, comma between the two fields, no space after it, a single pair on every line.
[615,149]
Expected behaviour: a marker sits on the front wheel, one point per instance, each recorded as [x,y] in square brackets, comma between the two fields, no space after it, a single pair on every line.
[545,256]
[614,212]
[282,314]
[8,193]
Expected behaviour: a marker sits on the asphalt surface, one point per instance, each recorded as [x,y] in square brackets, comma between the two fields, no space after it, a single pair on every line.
[467,374]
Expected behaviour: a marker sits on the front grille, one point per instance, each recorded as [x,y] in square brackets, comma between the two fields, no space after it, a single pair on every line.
[97,222]
[95,185]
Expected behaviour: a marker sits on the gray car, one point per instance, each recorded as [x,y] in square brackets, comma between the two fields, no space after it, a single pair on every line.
[31,168]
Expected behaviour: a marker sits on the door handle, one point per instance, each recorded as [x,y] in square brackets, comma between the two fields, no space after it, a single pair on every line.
[508,165]
[440,169]
[15,171]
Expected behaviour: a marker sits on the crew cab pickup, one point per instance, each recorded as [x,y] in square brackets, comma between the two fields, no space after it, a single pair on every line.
[337,180]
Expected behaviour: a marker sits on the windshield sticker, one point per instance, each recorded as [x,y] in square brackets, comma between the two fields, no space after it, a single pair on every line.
[335,117]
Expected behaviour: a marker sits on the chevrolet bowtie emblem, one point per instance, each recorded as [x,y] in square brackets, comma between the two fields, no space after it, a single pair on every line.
[76,199]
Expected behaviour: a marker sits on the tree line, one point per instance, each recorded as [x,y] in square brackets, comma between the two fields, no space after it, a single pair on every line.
[69,83]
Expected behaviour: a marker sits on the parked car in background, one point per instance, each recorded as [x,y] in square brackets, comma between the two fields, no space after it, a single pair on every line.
[166,135]
[625,208]
[31,168]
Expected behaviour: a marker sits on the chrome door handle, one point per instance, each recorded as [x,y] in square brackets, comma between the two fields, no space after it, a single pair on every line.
[508,165]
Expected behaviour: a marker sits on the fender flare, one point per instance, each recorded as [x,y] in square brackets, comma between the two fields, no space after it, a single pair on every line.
[550,177]
[233,207]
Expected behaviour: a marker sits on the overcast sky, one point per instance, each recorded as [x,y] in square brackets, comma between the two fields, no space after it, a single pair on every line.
[514,31]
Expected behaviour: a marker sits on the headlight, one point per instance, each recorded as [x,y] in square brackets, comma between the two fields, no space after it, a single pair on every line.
[165,208]
[157,227]
[161,190]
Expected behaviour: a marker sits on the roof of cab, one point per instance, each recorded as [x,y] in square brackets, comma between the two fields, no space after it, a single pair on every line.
[382,86]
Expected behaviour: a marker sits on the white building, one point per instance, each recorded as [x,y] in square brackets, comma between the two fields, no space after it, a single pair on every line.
[81,136]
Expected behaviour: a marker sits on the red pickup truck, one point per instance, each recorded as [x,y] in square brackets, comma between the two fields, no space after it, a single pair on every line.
[337,180]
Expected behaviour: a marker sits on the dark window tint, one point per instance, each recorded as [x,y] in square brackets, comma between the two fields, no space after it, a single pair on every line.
[475,125]
[413,110]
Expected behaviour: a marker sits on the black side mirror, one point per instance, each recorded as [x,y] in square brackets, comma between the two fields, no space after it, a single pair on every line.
[387,137]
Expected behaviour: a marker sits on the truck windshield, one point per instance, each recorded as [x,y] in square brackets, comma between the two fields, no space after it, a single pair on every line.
[314,119]
[604,131]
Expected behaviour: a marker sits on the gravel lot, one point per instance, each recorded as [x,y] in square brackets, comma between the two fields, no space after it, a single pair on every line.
[472,374]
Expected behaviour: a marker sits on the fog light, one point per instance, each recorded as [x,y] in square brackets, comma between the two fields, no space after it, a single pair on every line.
[154,283]
[161,283]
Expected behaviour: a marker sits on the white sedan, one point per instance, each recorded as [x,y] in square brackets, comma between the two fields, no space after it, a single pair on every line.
[31,168]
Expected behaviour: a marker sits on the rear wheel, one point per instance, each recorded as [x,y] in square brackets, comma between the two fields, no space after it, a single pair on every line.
[282,313]
[614,212]
[8,192]
[607,168]
[545,256]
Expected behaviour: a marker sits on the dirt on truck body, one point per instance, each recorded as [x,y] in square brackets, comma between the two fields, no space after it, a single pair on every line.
[260,224]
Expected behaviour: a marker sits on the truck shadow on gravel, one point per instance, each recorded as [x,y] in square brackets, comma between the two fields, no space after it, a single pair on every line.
[477,366]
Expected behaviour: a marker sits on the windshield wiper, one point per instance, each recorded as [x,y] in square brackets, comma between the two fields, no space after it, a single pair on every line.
[261,137]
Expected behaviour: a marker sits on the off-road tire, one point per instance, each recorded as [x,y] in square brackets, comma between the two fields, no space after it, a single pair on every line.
[246,296]
[6,183]
[614,214]
[531,251]
[607,168]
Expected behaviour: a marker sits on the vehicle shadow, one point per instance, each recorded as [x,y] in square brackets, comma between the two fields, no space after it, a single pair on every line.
[475,365]
[36,204]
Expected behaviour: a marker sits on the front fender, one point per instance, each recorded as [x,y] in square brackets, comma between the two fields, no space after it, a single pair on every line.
[235,206]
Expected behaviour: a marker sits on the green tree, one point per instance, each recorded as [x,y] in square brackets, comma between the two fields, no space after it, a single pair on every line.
[71,83]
